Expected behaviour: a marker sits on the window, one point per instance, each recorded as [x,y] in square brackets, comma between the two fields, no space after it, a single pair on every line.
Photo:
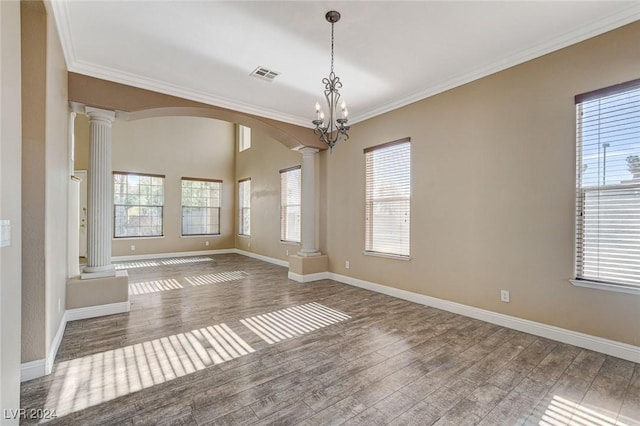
[388,198]
[244,207]
[290,204]
[201,206]
[138,202]
[244,138]
[608,188]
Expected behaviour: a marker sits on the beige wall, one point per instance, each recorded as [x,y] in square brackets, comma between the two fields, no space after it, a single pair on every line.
[34,76]
[10,206]
[45,177]
[57,182]
[105,94]
[175,147]
[493,166]
[262,163]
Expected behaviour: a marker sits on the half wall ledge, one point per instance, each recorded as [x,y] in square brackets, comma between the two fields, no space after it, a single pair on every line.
[305,269]
[95,292]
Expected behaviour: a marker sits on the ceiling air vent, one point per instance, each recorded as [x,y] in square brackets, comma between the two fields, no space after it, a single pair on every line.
[265,74]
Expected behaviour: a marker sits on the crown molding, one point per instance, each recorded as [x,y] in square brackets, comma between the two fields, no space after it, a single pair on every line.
[61,14]
[601,26]
[60,11]
[130,79]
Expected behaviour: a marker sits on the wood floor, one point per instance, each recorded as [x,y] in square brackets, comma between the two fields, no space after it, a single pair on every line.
[230,340]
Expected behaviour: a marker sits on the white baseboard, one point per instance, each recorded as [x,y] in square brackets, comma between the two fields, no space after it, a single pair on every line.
[98,311]
[599,344]
[174,254]
[307,278]
[264,258]
[42,367]
[55,344]
[32,370]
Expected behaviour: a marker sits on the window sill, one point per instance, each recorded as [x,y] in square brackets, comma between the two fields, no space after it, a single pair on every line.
[244,235]
[388,256]
[619,288]
[289,243]
[159,237]
[201,236]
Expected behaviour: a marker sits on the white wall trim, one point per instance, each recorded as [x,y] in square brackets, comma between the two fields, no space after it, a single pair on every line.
[174,254]
[55,344]
[307,278]
[264,258]
[607,287]
[97,311]
[599,344]
[32,370]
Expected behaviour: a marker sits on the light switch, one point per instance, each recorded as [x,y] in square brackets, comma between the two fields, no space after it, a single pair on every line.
[5,233]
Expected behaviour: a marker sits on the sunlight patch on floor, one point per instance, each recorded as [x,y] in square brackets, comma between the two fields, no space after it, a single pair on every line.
[219,277]
[154,286]
[291,322]
[158,262]
[91,380]
[563,412]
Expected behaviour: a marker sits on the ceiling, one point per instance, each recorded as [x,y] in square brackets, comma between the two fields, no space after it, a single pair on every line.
[388,54]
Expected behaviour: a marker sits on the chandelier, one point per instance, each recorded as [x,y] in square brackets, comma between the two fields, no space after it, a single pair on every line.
[335,129]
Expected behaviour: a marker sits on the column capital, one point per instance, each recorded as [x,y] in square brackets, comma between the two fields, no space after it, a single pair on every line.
[308,151]
[100,114]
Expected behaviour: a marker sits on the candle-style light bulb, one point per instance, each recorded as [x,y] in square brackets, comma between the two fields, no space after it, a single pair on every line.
[322,116]
[317,111]
[345,112]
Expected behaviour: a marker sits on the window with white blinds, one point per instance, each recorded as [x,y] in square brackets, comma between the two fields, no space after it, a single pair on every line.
[138,201]
[608,186]
[201,206]
[290,190]
[244,207]
[388,198]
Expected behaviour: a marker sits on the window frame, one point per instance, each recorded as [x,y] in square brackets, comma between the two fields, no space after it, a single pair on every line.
[115,206]
[370,203]
[580,278]
[241,208]
[244,138]
[183,206]
[283,207]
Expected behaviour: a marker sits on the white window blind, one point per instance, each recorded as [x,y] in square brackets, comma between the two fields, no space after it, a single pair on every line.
[608,186]
[201,206]
[244,138]
[388,198]
[290,184]
[138,204]
[244,207]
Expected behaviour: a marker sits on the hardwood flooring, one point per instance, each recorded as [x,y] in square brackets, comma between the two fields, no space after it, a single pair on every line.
[229,340]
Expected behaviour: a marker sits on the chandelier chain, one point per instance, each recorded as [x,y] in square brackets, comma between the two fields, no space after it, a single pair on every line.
[332,47]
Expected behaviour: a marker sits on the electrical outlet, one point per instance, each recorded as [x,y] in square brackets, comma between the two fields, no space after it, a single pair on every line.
[286,252]
[206,243]
[59,305]
[347,264]
[133,247]
[504,296]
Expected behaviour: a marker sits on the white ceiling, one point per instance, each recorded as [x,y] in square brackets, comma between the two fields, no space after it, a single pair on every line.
[388,54]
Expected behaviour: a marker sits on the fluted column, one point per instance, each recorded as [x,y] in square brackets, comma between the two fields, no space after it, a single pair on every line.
[99,205]
[308,210]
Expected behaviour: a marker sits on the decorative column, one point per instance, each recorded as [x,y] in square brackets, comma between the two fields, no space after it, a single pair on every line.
[308,209]
[99,205]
